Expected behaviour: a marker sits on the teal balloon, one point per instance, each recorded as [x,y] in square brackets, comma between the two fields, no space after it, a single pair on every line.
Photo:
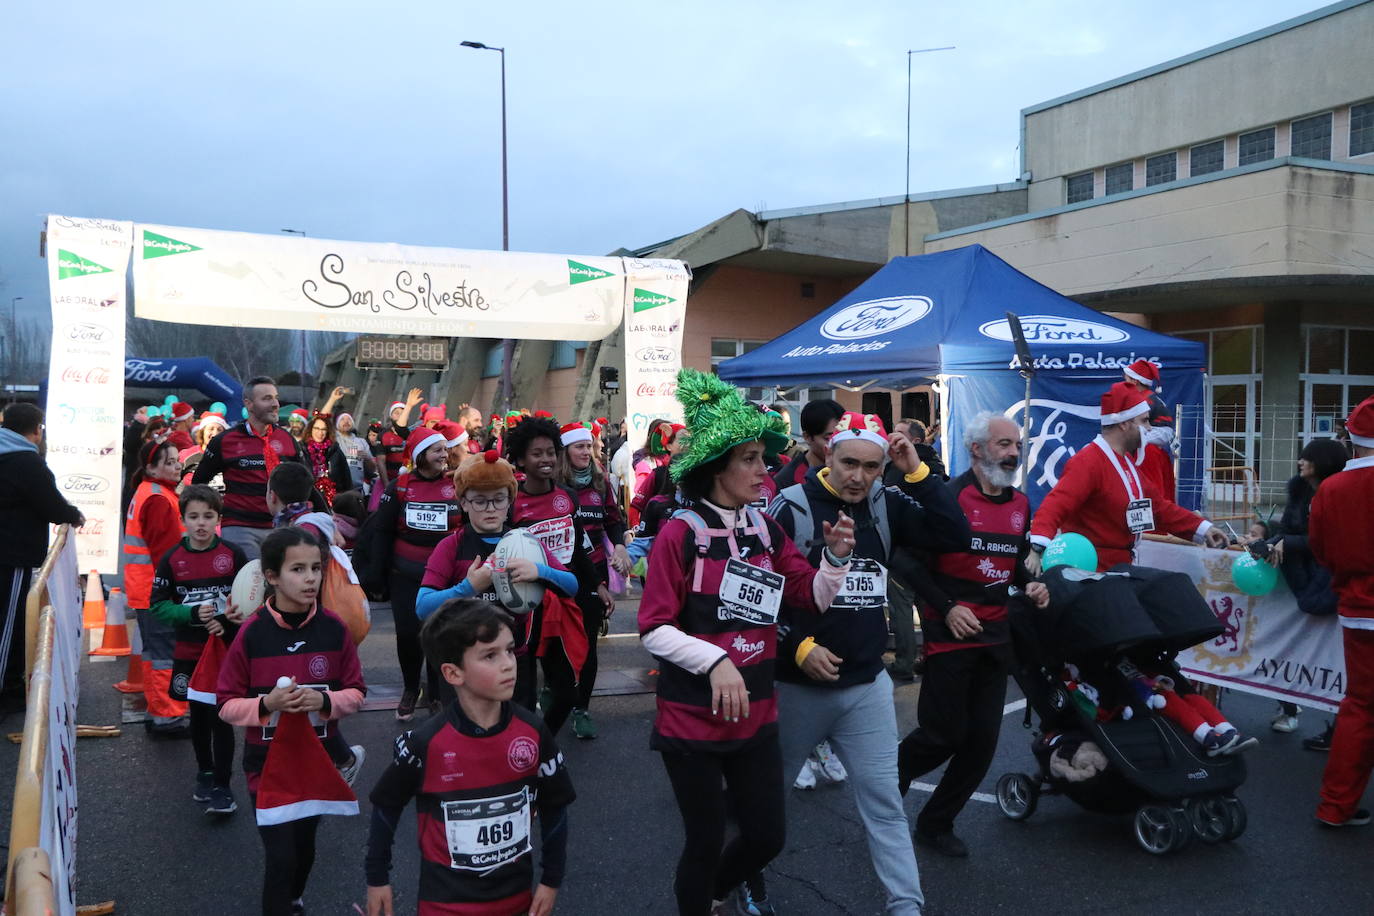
[218,407]
[1252,576]
[169,400]
[244,412]
[1070,549]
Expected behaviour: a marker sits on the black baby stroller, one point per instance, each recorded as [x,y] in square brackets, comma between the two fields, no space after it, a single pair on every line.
[1116,754]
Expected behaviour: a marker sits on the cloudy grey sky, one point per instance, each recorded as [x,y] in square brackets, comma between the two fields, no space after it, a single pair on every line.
[629,123]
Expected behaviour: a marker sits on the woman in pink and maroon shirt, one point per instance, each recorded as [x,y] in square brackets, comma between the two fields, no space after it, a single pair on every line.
[717,576]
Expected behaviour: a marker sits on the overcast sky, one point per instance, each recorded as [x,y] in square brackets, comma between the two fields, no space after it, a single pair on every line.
[628,123]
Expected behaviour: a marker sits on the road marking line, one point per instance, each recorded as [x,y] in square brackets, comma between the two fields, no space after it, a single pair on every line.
[621,636]
[1013,707]
[977,796]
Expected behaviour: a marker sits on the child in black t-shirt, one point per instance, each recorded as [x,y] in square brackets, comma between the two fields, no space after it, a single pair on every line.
[477,773]
[191,590]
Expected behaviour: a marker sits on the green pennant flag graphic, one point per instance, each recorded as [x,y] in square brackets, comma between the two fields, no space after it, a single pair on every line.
[583,273]
[645,300]
[159,246]
[74,265]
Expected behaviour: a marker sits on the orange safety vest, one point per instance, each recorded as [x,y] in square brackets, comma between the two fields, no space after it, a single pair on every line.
[138,564]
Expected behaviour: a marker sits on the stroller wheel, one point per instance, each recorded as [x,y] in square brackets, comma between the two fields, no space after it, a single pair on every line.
[1238,816]
[1017,795]
[1160,829]
[1212,819]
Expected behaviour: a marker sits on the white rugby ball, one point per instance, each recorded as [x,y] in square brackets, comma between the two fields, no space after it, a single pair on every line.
[249,588]
[517,597]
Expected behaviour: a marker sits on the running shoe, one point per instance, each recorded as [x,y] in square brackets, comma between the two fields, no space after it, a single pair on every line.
[205,782]
[1239,743]
[828,765]
[1320,742]
[1359,819]
[405,710]
[349,771]
[297,908]
[221,801]
[806,779]
[946,844]
[753,898]
[1214,742]
[1284,723]
[583,725]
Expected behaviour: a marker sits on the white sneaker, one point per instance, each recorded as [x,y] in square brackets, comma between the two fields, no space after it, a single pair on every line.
[806,779]
[828,764]
[351,771]
[1284,723]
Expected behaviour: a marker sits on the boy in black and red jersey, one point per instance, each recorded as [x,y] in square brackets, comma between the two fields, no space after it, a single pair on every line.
[477,773]
[191,593]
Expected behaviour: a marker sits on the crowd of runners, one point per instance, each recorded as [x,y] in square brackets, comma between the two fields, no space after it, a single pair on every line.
[771,577]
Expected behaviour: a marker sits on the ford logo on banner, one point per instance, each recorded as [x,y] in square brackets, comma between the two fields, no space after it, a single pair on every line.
[876,316]
[1050,329]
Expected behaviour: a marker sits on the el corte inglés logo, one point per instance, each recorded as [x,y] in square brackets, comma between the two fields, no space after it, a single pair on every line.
[582,273]
[645,300]
[74,265]
[159,246]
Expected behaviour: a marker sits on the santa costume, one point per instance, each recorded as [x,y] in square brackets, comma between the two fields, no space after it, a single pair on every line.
[1099,487]
[1341,535]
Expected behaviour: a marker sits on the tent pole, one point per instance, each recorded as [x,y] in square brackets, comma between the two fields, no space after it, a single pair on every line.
[1025,436]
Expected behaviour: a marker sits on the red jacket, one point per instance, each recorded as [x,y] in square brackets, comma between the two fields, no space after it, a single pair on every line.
[1342,540]
[1091,496]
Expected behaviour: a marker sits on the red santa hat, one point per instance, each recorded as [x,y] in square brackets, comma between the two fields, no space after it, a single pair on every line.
[575,432]
[454,435]
[1360,423]
[298,778]
[430,414]
[1144,372]
[182,411]
[207,420]
[421,438]
[395,406]
[543,415]
[300,412]
[866,427]
[201,689]
[1122,402]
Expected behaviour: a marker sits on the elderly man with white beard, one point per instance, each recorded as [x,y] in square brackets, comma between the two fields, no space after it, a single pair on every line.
[963,599]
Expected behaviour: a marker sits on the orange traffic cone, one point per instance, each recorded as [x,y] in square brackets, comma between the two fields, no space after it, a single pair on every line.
[93,611]
[133,679]
[116,640]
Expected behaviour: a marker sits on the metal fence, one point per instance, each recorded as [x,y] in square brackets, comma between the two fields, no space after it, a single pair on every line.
[29,887]
[1248,454]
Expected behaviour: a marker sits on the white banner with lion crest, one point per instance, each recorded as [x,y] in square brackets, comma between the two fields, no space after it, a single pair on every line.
[1269,648]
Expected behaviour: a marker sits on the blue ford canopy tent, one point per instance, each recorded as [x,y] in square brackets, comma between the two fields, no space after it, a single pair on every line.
[197,372]
[940,319]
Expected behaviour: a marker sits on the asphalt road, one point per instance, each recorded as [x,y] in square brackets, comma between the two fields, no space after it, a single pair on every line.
[146,845]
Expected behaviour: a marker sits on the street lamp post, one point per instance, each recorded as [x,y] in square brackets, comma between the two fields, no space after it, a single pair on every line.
[507,345]
[906,201]
[301,367]
[12,350]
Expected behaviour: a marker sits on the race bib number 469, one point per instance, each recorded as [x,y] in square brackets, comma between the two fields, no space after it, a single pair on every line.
[486,833]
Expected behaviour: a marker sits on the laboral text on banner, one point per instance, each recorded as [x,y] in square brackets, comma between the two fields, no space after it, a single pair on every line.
[1269,647]
[87,263]
[203,276]
[655,307]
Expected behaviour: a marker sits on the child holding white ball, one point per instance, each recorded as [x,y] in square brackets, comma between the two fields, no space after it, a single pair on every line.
[292,656]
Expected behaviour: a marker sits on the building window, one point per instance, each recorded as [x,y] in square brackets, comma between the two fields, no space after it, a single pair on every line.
[1206,158]
[1362,129]
[491,366]
[1080,187]
[723,349]
[564,355]
[1257,146]
[1120,177]
[1312,137]
[1161,169]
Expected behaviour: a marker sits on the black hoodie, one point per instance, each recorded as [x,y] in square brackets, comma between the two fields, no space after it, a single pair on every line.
[29,502]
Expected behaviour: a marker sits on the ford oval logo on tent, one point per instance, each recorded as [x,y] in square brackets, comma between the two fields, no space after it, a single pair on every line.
[1051,329]
[876,316]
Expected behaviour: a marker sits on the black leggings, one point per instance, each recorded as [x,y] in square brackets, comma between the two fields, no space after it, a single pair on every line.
[213,741]
[593,612]
[404,589]
[748,783]
[558,677]
[290,850]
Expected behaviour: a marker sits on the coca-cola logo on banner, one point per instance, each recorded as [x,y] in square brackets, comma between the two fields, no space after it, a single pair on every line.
[77,375]
[661,390]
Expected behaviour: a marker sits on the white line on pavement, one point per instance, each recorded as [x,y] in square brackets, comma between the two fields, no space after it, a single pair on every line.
[1013,706]
[977,796]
